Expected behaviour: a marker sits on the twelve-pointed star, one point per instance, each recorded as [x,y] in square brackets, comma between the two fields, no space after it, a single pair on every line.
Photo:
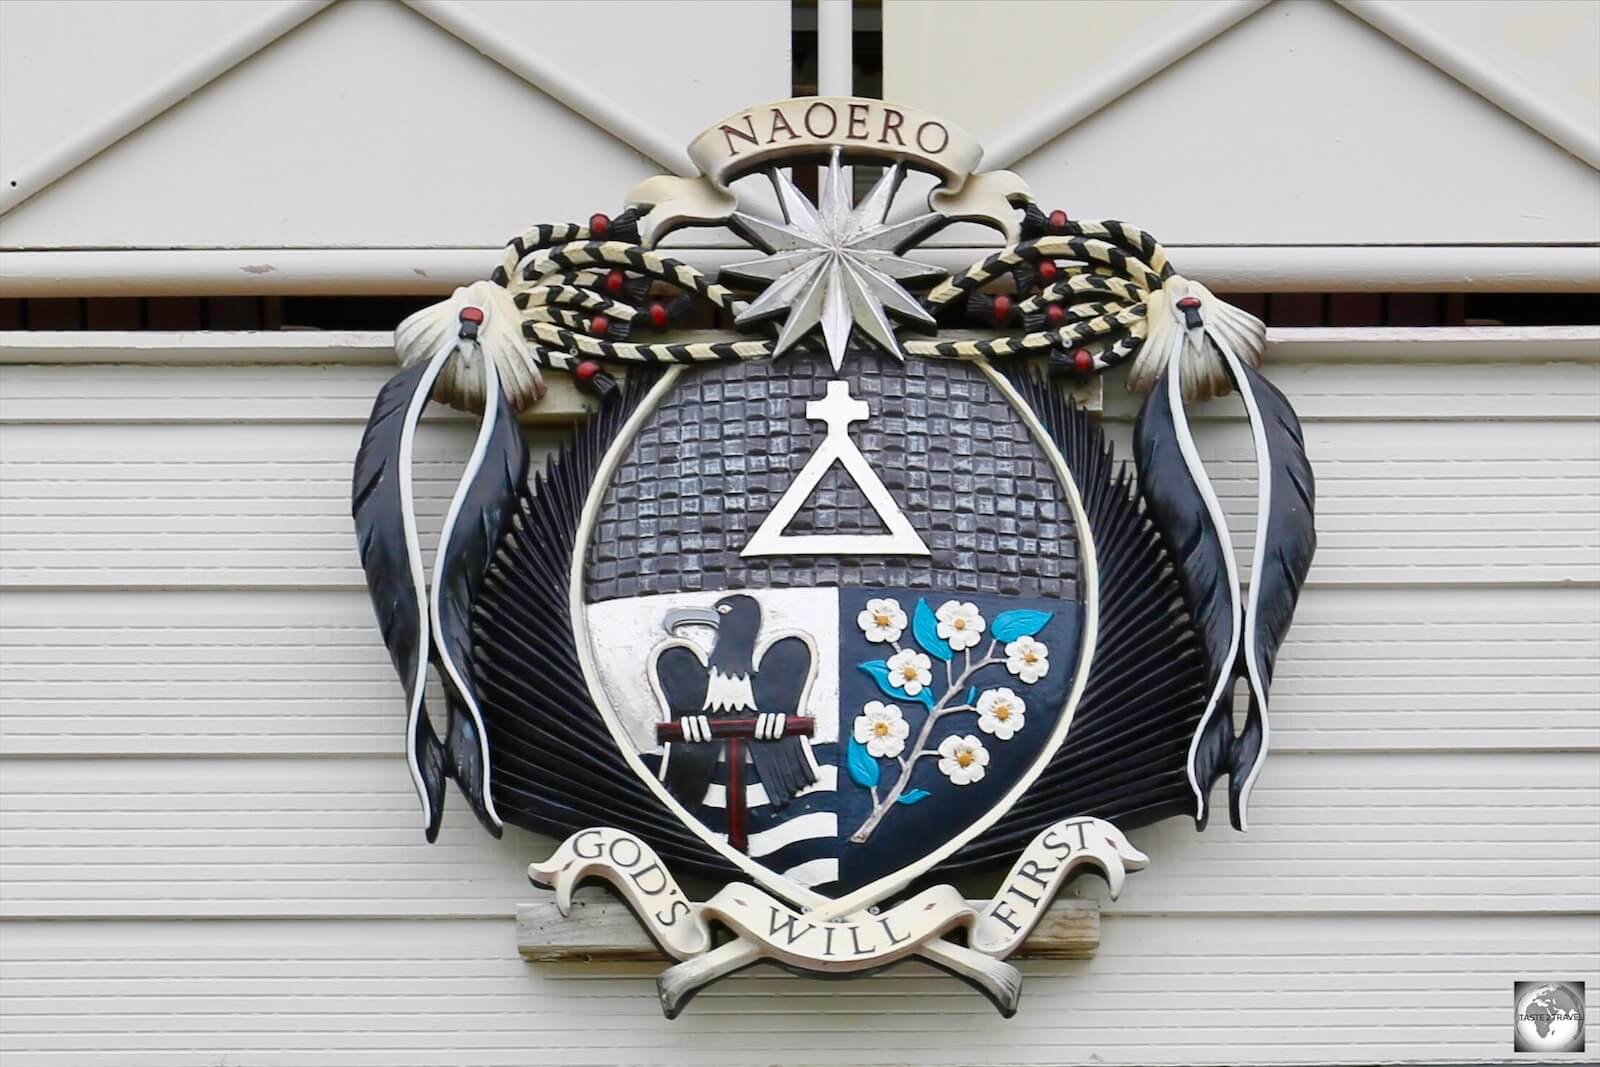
[835,265]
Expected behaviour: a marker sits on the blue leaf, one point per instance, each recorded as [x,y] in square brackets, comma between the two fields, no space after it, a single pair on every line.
[972,696]
[863,768]
[911,796]
[1010,625]
[879,670]
[925,625]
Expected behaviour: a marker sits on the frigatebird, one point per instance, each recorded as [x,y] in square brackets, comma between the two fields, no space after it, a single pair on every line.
[736,680]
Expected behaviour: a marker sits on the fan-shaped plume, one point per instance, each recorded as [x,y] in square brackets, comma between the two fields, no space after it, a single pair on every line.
[1205,373]
[1285,541]
[1185,509]
[1126,756]
[558,768]
[461,385]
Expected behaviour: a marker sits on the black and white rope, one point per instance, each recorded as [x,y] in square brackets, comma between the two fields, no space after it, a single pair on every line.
[559,276]
[1089,250]
[1082,287]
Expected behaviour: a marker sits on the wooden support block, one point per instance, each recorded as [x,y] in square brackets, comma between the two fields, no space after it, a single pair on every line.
[601,928]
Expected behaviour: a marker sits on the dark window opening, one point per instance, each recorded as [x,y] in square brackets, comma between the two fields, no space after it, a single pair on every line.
[383,312]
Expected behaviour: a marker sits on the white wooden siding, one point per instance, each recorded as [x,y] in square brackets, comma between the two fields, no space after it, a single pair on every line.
[197,722]
[402,993]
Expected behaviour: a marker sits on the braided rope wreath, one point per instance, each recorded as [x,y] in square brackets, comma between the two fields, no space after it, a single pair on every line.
[1081,293]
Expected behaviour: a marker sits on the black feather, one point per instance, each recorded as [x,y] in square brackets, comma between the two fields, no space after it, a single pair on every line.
[1202,555]
[683,677]
[488,495]
[397,598]
[1287,539]
[777,685]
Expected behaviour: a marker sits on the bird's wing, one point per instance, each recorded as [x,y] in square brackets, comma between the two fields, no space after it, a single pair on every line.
[783,676]
[679,672]
[781,684]
[680,675]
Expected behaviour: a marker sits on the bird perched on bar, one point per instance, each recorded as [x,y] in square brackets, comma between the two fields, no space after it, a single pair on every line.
[739,678]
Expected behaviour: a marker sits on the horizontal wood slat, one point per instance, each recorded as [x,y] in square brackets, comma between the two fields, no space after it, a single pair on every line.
[284,672]
[1387,344]
[177,505]
[1162,990]
[1473,832]
[1562,386]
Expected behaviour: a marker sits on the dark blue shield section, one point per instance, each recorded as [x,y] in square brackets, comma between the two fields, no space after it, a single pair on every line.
[893,809]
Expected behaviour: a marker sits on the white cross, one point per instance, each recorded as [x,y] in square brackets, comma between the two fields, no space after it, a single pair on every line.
[837,411]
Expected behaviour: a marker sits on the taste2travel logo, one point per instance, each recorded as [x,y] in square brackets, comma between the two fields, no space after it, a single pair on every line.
[1549,1016]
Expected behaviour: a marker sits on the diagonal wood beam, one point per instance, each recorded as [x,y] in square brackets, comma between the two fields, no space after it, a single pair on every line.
[558,84]
[1506,92]
[28,180]
[1066,111]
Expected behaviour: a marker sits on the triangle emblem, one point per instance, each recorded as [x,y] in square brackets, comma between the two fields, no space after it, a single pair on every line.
[837,410]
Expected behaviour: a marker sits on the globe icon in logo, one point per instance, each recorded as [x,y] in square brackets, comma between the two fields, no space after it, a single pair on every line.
[1549,1017]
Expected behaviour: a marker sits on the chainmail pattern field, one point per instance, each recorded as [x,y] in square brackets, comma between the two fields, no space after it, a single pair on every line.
[715,457]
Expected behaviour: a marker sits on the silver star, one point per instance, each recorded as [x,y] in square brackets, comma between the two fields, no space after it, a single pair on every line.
[835,265]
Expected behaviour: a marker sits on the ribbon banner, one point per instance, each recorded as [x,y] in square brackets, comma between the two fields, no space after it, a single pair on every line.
[791,131]
[819,941]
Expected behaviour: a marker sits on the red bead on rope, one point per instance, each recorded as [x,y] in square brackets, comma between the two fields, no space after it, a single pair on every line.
[658,315]
[1048,271]
[1083,362]
[599,325]
[586,371]
[1055,314]
[1002,308]
[472,314]
[1058,220]
[1189,303]
[598,225]
[615,281]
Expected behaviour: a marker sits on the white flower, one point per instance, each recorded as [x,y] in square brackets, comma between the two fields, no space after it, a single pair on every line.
[960,624]
[910,670]
[1028,659]
[882,728]
[962,759]
[1000,712]
[882,620]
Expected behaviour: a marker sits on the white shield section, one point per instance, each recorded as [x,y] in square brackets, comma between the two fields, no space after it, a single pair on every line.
[625,631]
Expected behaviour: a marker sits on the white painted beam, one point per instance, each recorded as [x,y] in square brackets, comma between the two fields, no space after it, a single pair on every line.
[835,48]
[566,86]
[422,271]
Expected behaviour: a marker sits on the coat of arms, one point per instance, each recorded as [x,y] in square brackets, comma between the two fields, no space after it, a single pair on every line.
[850,596]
